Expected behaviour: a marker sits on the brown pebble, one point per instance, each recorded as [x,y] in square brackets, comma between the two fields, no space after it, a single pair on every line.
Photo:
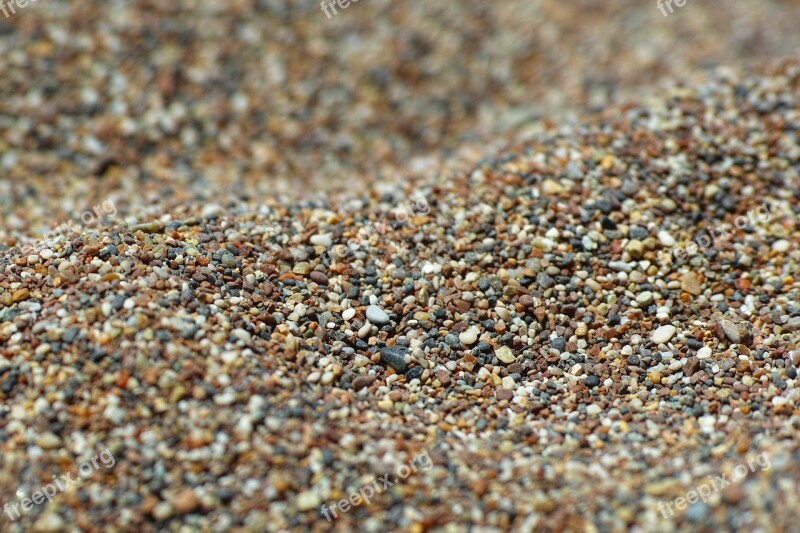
[363,381]
[691,366]
[731,331]
[185,501]
[148,503]
[504,394]
[318,277]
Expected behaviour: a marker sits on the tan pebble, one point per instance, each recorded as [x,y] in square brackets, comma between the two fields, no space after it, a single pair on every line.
[386,405]
[48,441]
[690,282]
[635,249]
[147,227]
[185,501]
[20,295]
[505,355]
[301,268]
[552,187]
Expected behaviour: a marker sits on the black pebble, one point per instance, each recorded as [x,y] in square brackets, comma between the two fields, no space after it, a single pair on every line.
[414,373]
[395,357]
[694,344]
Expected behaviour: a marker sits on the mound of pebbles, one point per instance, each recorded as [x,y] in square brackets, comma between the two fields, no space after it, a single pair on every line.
[521,333]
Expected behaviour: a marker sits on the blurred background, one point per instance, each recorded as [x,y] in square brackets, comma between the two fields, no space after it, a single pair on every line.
[160,104]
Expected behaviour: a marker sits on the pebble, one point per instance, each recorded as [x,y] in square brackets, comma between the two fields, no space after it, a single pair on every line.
[318,277]
[551,187]
[779,401]
[185,501]
[666,239]
[704,353]
[48,441]
[469,336]
[781,246]
[664,334]
[308,500]
[593,409]
[363,381]
[505,355]
[241,334]
[395,357]
[49,522]
[115,414]
[690,283]
[635,249]
[20,295]
[162,511]
[619,266]
[414,373]
[323,240]
[377,316]
[228,261]
[147,227]
[302,268]
[731,331]
[691,366]
[592,381]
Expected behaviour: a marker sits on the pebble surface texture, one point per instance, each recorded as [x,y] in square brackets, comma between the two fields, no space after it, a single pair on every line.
[238,381]
[158,104]
[520,330]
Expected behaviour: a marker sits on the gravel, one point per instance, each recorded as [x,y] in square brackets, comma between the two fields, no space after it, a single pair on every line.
[207,338]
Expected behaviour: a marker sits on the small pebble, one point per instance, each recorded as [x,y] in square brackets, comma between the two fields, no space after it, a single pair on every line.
[377,316]
[664,334]
[469,336]
[395,357]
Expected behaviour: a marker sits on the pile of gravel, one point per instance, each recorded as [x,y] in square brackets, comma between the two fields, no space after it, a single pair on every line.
[518,329]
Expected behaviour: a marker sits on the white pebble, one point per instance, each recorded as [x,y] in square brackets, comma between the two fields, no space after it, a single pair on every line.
[663,334]
[665,238]
[593,409]
[469,336]
[377,316]
[704,353]
[781,246]
[322,240]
